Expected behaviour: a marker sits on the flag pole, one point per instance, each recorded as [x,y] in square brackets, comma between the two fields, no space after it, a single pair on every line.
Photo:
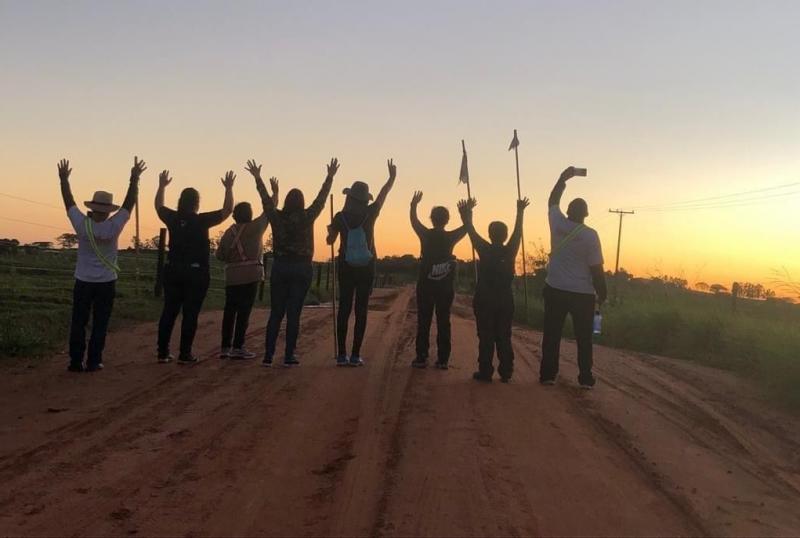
[515,143]
[469,196]
[333,296]
[138,241]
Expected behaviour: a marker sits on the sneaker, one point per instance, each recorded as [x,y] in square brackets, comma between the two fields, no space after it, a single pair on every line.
[441,365]
[341,360]
[75,367]
[187,359]
[290,362]
[505,380]
[94,367]
[267,362]
[225,353]
[355,360]
[241,353]
[164,358]
[587,384]
[547,382]
[419,363]
[477,376]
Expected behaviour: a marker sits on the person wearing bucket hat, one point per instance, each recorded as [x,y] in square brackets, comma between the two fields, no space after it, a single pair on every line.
[186,273]
[355,223]
[293,249]
[96,270]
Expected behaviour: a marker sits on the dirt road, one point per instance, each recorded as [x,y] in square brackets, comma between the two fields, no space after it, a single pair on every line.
[231,448]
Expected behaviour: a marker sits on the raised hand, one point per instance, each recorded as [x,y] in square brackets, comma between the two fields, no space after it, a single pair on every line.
[333,167]
[138,168]
[228,180]
[567,174]
[416,198]
[392,169]
[467,205]
[273,183]
[522,204]
[64,170]
[164,179]
[253,168]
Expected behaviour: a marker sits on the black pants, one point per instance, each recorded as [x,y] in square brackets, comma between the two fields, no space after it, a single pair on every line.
[557,304]
[185,290]
[494,314]
[239,301]
[434,297]
[95,299]
[354,283]
[289,282]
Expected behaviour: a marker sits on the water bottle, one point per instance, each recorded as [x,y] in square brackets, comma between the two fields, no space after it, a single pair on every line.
[597,324]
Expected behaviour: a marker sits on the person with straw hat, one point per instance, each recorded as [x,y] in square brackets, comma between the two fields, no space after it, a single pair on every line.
[355,223]
[96,270]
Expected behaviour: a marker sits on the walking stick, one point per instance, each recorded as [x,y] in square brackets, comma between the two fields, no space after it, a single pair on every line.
[333,296]
[138,241]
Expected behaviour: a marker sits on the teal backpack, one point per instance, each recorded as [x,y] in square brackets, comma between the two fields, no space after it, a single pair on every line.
[357,252]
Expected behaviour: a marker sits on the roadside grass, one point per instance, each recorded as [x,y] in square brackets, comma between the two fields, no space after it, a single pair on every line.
[759,340]
[36,298]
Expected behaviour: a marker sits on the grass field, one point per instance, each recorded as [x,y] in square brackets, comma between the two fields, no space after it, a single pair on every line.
[36,298]
[754,338]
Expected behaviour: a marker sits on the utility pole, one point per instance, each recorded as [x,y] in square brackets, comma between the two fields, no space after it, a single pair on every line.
[621,214]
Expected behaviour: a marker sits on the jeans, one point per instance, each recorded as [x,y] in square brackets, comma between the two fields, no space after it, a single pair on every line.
[438,297]
[185,289]
[289,282]
[97,299]
[239,301]
[557,304]
[354,282]
[493,317]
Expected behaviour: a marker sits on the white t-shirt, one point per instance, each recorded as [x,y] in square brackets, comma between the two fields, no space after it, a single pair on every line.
[106,234]
[569,265]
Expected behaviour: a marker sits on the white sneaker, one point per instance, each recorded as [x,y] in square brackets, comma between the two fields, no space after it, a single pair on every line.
[241,353]
[225,353]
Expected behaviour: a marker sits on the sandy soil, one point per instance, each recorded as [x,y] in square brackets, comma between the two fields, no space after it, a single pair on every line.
[661,447]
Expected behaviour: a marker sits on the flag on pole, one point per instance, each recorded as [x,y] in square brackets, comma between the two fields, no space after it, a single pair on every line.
[514,142]
[463,176]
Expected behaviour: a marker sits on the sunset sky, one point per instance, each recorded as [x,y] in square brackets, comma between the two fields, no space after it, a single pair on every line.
[663,102]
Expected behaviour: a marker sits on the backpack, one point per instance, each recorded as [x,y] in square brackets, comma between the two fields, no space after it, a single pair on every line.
[357,252]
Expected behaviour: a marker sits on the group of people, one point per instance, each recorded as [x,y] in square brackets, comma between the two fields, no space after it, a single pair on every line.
[575,281]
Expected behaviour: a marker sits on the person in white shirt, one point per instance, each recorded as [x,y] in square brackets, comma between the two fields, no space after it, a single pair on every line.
[96,270]
[575,282]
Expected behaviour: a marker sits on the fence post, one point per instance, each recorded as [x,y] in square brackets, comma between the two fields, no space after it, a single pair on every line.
[328,276]
[261,286]
[162,245]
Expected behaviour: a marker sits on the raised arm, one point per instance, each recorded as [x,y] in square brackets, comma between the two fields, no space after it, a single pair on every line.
[318,204]
[133,187]
[465,208]
[66,192]
[418,227]
[379,201]
[561,184]
[227,204]
[268,203]
[163,181]
[516,235]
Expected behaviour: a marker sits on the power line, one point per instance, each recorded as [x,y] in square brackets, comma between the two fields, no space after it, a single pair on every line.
[721,198]
[34,223]
[724,204]
[29,201]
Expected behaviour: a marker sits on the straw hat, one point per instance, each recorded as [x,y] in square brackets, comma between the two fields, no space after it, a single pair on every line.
[102,202]
[359,191]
